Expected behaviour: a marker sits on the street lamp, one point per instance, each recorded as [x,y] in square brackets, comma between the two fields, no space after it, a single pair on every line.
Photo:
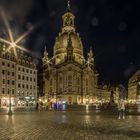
[10,111]
[13,44]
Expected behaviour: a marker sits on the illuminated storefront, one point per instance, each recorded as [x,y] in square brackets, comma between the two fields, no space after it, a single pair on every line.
[26,101]
[5,101]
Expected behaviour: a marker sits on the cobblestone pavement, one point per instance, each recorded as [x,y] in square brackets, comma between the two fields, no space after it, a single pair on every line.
[68,125]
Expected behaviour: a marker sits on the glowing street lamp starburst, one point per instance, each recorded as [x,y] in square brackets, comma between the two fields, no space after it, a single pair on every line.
[13,44]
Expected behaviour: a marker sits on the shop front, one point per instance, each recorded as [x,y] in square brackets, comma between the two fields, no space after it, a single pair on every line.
[26,101]
[4,101]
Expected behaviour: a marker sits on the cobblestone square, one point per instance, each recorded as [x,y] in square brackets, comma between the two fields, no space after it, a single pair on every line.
[68,125]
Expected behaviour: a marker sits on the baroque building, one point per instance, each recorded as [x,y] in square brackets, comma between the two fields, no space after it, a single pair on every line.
[7,78]
[68,76]
[26,82]
[18,78]
[134,88]
[103,94]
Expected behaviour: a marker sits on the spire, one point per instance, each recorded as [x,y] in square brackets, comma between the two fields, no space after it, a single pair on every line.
[45,48]
[45,56]
[68,19]
[68,5]
[90,56]
[91,52]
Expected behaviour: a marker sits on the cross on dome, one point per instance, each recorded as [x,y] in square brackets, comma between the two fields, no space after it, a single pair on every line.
[68,6]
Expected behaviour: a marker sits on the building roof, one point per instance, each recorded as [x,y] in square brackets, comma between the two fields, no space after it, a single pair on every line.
[135,76]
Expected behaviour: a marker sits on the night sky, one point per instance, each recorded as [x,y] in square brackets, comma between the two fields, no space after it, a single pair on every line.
[112,27]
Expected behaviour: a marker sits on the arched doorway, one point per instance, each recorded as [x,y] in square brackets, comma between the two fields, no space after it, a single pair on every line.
[70,100]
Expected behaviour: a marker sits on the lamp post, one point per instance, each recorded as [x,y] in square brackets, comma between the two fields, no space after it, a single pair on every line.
[10,111]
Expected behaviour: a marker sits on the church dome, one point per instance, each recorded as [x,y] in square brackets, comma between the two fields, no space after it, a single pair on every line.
[60,48]
[61,43]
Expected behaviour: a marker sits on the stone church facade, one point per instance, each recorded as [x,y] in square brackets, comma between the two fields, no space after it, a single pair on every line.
[68,76]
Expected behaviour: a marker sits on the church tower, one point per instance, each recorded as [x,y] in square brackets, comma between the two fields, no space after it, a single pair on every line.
[68,20]
[68,76]
[60,46]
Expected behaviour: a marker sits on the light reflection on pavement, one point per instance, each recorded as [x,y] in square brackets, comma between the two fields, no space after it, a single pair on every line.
[67,125]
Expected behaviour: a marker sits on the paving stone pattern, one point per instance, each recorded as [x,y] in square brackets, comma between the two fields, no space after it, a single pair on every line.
[68,125]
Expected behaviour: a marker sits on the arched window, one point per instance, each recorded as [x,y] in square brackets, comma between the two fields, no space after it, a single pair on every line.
[23,62]
[60,84]
[78,84]
[27,63]
[8,56]
[69,83]
[19,61]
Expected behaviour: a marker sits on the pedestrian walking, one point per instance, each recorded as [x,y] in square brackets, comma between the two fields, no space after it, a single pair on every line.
[39,106]
[121,109]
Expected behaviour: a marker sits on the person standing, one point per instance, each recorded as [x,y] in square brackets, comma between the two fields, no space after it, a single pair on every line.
[121,109]
[40,106]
